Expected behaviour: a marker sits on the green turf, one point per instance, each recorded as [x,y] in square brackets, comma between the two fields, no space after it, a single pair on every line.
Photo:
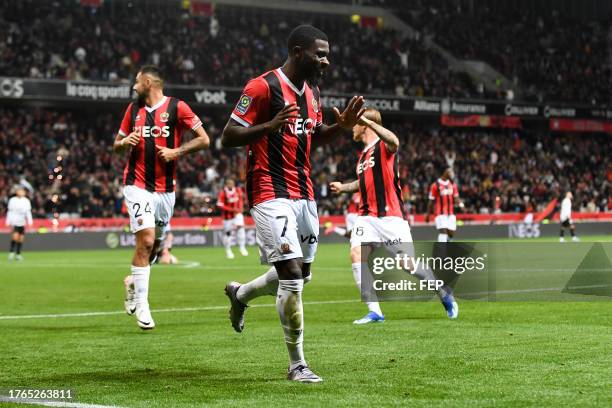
[497,354]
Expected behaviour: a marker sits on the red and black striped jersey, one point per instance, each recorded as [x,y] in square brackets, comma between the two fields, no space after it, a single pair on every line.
[379,183]
[353,206]
[159,125]
[278,164]
[230,202]
[444,193]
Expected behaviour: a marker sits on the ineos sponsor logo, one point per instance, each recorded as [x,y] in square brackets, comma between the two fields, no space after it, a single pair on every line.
[211,97]
[153,131]
[11,88]
[302,127]
[361,167]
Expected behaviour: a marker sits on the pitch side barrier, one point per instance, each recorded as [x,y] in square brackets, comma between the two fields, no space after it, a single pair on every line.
[483,113]
[56,241]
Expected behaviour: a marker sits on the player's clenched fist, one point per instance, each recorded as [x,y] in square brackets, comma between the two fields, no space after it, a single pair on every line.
[335,187]
[132,139]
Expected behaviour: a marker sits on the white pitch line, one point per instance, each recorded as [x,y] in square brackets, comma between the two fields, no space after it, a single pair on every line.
[45,403]
[171,310]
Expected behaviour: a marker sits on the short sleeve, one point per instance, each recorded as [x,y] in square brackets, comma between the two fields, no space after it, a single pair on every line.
[186,117]
[125,130]
[221,199]
[433,192]
[253,103]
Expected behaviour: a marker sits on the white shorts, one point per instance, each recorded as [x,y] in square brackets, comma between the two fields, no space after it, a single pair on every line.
[233,223]
[149,210]
[286,229]
[448,222]
[350,220]
[388,230]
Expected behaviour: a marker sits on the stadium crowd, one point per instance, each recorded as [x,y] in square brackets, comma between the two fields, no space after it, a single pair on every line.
[552,56]
[60,40]
[66,158]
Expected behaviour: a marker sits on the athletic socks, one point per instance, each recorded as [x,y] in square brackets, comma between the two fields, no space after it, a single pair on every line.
[442,238]
[290,311]
[266,284]
[226,240]
[241,238]
[141,284]
[372,306]
[13,244]
[18,248]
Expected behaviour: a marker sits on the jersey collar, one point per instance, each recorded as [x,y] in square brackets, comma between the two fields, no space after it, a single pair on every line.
[443,182]
[157,105]
[288,82]
[365,149]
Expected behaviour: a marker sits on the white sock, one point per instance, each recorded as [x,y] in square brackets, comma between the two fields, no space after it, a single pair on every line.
[290,311]
[141,284]
[241,238]
[372,306]
[226,240]
[266,284]
[442,238]
[340,231]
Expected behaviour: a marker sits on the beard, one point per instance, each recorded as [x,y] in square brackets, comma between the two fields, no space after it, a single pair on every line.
[312,74]
[141,98]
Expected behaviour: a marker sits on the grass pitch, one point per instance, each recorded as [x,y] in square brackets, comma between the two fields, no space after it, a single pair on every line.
[62,326]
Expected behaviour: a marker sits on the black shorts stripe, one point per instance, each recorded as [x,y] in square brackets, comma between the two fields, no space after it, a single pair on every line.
[172,121]
[364,208]
[249,176]
[300,153]
[131,173]
[379,181]
[150,152]
[275,139]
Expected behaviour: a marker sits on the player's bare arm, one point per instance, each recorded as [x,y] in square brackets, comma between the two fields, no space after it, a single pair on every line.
[429,210]
[338,188]
[344,121]
[199,142]
[387,136]
[122,144]
[235,134]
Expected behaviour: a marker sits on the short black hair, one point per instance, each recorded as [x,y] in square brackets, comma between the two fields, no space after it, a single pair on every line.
[304,36]
[152,70]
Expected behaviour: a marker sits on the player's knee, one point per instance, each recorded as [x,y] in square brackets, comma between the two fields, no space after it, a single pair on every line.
[288,270]
[356,254]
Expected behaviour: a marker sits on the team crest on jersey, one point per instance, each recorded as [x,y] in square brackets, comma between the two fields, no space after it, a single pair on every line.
[315,105]
[164,116]
[243,104]
[137,117]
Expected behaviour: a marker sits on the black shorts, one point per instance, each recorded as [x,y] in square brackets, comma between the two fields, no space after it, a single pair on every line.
[19,230]
[566,223]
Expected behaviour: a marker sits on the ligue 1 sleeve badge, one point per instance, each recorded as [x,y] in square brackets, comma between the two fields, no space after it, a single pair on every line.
[164,116]
[243,104]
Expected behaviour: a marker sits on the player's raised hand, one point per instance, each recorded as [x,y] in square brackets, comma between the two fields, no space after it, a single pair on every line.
[132,139]
[286,115]
[167,154]
[335,187]
[347,119]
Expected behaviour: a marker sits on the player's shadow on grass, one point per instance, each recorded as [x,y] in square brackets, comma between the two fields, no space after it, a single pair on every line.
[200,373]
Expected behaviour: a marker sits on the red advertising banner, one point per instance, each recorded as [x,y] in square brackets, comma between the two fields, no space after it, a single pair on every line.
[487,121]
[572,125]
